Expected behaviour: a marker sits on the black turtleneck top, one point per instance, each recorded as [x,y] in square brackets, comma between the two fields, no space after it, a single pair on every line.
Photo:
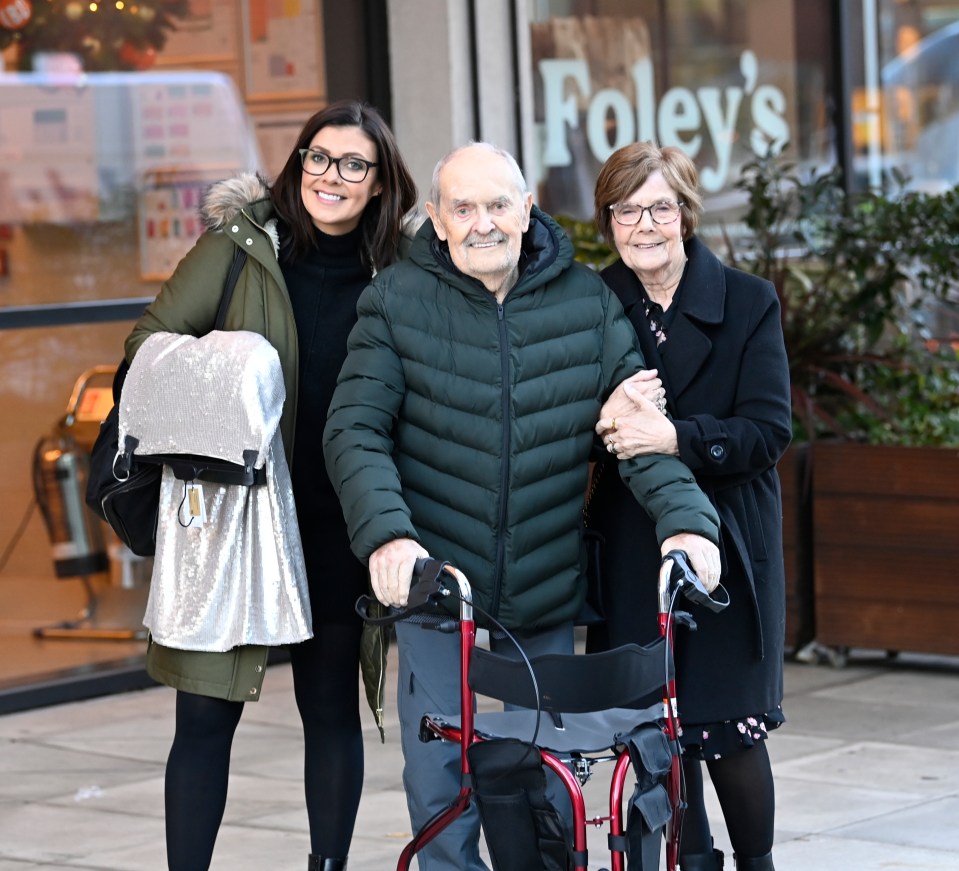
[324,287]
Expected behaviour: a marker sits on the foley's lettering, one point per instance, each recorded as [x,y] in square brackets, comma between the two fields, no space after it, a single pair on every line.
[677,120]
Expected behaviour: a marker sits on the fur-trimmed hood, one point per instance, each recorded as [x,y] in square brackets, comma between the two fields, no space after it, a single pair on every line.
[224,200]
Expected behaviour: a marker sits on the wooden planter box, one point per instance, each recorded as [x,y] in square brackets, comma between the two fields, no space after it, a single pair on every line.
[886,547]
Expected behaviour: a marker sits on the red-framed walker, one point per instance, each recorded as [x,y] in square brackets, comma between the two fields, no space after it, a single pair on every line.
[437,581]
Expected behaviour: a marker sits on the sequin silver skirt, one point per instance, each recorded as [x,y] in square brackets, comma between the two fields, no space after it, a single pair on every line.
[229,566]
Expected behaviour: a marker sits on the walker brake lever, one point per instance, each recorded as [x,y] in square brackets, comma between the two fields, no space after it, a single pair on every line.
[426,589]
[692,588]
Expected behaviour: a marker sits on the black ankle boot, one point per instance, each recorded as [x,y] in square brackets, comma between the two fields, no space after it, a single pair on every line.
[760,863]
[702,861]
[318,863]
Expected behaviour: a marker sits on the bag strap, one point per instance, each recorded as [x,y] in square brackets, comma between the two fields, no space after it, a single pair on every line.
[235,268]
[238,260]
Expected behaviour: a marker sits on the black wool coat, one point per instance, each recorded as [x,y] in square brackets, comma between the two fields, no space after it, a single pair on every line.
[726,377]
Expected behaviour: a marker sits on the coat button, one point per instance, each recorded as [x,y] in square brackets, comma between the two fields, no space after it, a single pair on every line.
[717,452]
[235,228]
[252,691]
[249,241]
[258,669]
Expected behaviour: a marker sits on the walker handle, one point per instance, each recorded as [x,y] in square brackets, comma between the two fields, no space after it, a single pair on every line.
[682,576]
[426,589]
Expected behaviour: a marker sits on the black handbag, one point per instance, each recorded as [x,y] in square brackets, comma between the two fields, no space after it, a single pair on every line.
[125,492]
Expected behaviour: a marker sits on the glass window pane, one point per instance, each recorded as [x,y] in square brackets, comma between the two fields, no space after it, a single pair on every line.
[918,58]
[724,80]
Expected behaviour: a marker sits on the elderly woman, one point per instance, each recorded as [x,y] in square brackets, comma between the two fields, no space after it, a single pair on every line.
[716,396]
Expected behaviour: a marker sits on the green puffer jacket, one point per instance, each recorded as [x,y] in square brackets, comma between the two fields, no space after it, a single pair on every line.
[468,425]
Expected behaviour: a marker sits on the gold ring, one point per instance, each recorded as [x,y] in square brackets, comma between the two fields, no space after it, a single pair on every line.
[613,427]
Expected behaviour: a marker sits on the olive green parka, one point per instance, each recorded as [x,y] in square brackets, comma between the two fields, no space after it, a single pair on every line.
[467,425]
[238,212]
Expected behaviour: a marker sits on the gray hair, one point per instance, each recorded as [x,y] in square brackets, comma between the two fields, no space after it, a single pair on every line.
[518,178]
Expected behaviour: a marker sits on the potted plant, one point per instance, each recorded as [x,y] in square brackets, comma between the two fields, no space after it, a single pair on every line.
[875,400]
[857,278]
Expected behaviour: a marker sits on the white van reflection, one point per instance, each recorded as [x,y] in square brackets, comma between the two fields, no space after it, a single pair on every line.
[82,147]
[921,110]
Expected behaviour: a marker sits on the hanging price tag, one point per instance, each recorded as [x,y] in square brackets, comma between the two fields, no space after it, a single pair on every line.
[196,508]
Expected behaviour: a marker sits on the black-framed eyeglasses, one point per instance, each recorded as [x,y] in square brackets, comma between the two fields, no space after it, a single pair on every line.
[630,214]
[350,168]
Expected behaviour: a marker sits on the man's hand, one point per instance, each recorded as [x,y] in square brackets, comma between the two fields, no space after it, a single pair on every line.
[703,556]
[391,570]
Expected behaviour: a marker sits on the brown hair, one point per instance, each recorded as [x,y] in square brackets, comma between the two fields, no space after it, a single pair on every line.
[383,216]
[629,167]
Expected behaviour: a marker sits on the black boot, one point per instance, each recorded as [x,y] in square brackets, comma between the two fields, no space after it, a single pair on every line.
[318,863]
[760,863]
[702,861]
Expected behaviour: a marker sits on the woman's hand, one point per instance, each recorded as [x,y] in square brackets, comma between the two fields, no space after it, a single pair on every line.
[642,430]
[646,382]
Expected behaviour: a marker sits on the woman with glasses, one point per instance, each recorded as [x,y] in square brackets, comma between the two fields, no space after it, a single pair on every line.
[313,240]
[717,396]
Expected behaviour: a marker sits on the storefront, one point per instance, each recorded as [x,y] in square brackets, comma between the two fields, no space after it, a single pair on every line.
[870,85]
[100,173]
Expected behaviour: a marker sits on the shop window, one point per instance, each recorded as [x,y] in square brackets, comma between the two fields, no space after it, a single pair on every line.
[724,80]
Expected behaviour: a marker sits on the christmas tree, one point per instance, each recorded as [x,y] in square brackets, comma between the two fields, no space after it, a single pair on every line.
[109,35]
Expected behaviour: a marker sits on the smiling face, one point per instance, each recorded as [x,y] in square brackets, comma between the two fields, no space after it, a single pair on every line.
[482,215]
[336,206]
[653,251]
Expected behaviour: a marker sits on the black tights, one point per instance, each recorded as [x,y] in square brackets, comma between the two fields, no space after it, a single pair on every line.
[197,771]
[744,787]
[326,686]
[325,681]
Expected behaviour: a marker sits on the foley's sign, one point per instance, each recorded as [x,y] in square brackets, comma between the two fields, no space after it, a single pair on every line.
[689,118]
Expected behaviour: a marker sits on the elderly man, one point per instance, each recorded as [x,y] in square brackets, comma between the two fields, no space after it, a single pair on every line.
[461,428]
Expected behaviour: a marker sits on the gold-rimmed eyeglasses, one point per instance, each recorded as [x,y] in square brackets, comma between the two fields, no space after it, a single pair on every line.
[630,214]
[349,167]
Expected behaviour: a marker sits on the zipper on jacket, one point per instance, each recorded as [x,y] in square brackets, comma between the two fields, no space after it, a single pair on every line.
[504,465]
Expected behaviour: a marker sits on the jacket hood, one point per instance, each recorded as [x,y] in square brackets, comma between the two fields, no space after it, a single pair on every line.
[224,200]
[546,252]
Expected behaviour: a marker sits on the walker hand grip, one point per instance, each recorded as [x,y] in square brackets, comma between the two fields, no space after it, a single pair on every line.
[692,588]
[420,567]
[426,588]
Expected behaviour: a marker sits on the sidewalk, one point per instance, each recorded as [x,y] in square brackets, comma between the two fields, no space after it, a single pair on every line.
[867,776]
